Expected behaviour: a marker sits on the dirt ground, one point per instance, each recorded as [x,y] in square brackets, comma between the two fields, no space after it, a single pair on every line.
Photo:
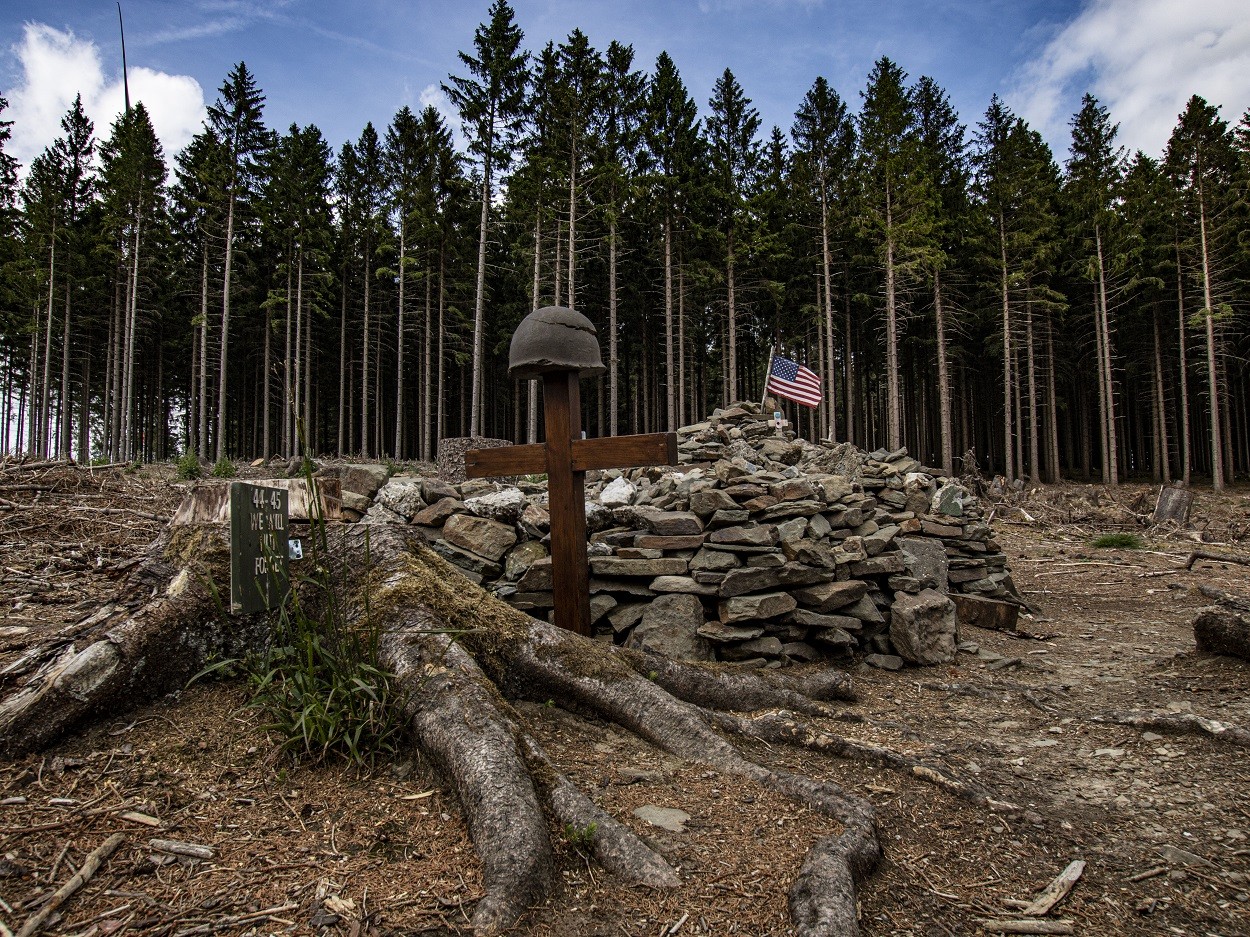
[1162,820]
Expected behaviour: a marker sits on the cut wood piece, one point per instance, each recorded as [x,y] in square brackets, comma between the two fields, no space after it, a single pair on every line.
[1173,505]
[1213,557]
[1222,631]
[209,502]
[991,614]
[80,878]
[1057,890]
[176,848]
[1028,926]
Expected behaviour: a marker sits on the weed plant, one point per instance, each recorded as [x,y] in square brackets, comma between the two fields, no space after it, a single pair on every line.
[224,468]
[319,685]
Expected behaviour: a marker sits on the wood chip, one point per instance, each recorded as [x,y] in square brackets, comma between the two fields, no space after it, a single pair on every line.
[176,848]
[1056,890]
[135,816]
[1028,926]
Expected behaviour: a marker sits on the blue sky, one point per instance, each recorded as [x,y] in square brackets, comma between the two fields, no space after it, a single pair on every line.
[340,64]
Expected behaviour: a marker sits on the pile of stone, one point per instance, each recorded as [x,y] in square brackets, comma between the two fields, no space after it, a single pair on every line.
[760,548]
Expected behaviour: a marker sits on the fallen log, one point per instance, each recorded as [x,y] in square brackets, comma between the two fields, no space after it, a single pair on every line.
[1222,630]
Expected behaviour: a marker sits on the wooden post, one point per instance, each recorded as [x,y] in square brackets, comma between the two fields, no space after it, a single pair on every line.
[566,499]
[559,346]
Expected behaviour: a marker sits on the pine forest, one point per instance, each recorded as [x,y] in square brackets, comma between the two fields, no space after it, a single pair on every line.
[958,289]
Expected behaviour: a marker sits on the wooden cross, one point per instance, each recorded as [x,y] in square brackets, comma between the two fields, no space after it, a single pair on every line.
[566,458]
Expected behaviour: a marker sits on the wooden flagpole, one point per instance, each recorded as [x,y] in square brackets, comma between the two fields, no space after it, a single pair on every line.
[772,351]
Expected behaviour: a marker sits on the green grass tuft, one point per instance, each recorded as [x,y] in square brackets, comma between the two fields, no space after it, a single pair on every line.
[1120,541]
[224,468]
[320,685]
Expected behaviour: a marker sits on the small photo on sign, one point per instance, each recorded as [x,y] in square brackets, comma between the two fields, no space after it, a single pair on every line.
[295,549]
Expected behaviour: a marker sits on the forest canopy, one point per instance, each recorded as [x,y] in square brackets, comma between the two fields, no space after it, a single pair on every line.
[259,293]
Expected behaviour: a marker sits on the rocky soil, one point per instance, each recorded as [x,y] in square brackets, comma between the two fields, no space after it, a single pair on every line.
[1160,817]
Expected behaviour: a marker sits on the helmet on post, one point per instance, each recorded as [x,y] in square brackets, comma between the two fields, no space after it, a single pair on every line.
[551,339]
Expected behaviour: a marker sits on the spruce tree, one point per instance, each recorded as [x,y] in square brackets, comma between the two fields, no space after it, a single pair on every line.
[235,119]
[734,154]
[132,181]
[898,207]
[824,140]
[1202,162]
[1093,175]
[671,129]
[621,106]
[491,104]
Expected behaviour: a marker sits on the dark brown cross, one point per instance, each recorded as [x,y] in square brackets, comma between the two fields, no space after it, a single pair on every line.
[566,458]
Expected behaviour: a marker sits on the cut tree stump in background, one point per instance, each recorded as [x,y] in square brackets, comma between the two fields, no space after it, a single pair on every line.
[1173,505]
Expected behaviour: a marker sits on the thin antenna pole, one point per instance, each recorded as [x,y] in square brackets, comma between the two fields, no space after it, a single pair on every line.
[125,78]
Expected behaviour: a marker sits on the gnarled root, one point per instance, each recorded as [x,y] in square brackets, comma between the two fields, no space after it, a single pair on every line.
[782,727]
[459,721]
[1180,724]
[538,661]
[731,689]
[127,658]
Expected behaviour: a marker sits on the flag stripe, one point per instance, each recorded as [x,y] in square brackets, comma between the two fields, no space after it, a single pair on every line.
[792,381]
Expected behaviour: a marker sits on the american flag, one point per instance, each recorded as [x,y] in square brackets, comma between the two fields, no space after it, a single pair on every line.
[794,382]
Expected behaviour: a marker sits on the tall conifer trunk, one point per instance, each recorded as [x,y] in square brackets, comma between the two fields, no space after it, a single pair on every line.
[1208,313]
[946,456]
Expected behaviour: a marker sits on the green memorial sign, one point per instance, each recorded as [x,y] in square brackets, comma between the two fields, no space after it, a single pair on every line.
[258,547]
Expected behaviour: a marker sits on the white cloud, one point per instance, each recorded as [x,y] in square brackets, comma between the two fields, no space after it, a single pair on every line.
[1142,59]
[434,95]
[56,65]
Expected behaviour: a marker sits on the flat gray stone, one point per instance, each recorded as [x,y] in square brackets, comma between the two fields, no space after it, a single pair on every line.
[666,818]
[672,523]
[884,661]
[708,501]
[722,633]
[504,505]
[618,493]
[436,514]
[480,535]
[521,557]
[749,579]
[925,560]
[757,647]
[755,607]
[615,566]
[763,536]
[364,479]
[828,596]
[402,497]
[865,610]
[809,619]
[681,584]
[669,627]
[923,627]
[714,561]
[626,615]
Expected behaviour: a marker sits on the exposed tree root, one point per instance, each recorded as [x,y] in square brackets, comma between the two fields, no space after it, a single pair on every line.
[461,655]
[128,658]
[780,727]
[613,845]
[1180,724]
[726,688]
[467,731]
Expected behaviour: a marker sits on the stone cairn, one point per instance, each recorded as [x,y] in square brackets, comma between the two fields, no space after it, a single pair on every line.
[760,549]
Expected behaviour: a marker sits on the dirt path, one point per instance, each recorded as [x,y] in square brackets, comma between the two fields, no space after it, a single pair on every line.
[1162,821]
